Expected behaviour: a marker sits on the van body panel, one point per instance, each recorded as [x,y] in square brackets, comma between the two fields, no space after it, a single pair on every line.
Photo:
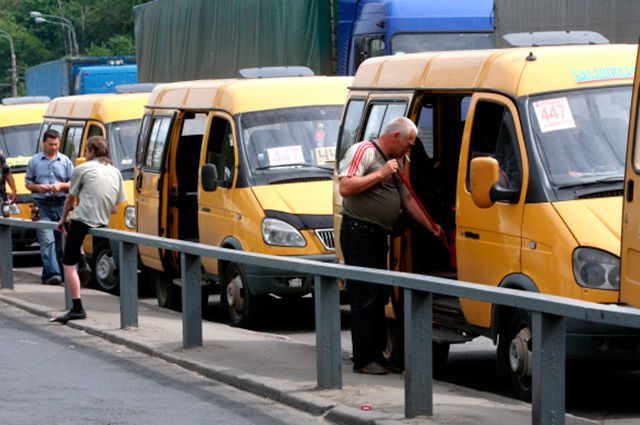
[594,222]
[630,250]
[147,211]
[486,234]
[294,197]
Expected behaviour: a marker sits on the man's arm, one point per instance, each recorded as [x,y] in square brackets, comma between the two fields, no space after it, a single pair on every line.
[68,206]
[12,185]
[353,185]
[416,213]
[60,187]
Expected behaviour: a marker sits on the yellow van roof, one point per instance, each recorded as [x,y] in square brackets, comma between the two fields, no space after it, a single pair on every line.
[515,71]
[29,113]
[100,107]
[240,95]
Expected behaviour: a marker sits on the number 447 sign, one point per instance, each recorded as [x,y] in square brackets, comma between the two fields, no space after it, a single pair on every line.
[554,114]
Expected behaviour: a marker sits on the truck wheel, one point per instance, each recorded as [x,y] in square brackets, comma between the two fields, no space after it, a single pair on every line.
[106,273]
[167,294]
[517,334]
[236,299]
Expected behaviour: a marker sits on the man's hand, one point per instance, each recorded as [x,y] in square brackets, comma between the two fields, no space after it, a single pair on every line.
[56,187]
[389,168]
[43,188]
[60,227]
[12,197]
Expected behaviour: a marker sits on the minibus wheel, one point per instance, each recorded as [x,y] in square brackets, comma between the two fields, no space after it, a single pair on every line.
[518,335]
[236,299]
[167,294]
[105,269]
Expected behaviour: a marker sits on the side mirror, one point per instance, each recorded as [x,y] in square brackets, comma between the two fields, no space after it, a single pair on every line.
[80,160]
[485,184]
[209,177]
[484,173]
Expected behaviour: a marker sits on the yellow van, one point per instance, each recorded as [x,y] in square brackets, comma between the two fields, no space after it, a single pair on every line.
[19,124]
[520,157]
[244,164]
[117,118]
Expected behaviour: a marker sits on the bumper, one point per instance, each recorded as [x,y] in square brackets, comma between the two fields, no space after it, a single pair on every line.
[588,340]
[21,237]
[263,280]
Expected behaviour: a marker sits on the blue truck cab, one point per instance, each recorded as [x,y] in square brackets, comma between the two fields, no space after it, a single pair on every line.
[369,28]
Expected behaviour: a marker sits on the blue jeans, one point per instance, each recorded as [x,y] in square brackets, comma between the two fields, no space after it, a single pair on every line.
[50,241]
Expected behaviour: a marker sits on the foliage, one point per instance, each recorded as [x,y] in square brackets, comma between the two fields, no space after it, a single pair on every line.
[103,28]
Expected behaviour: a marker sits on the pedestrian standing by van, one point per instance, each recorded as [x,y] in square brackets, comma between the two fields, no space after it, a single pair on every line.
[373,198]
[47,177]
[98,186]
[7,177]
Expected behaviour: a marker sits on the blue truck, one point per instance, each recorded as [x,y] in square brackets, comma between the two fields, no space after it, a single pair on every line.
[81,75]
[368,28]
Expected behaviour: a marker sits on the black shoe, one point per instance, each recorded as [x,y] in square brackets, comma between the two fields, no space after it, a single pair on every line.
[85,275]
[54,280]
[70,315]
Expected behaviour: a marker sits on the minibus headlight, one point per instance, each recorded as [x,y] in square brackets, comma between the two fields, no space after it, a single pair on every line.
[14,209]
[279,233]
[130,217]
[593,268]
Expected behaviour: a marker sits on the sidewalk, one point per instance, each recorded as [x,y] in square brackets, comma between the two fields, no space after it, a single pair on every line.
[265,364]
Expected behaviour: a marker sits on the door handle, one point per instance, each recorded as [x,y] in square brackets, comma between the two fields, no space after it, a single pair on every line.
[630,190]
[471,235]
[139,182]
[205,209]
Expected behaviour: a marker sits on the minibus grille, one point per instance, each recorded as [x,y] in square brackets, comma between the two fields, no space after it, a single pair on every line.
[327,238]
[301,180]
[603,194]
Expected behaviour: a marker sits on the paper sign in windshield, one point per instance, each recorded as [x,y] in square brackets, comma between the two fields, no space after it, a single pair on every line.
[554,114]
[18,161]
[325,154]
[285,155]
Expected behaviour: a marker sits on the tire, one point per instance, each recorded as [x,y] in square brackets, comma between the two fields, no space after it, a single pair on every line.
[517,356]
[105,269]
[167,294]
[241,307]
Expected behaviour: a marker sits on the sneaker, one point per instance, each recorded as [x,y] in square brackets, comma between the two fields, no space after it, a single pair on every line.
[85,275]
[70,315]
[54,280]
[372,368]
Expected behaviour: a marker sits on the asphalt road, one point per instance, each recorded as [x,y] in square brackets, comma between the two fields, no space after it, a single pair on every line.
[53,374]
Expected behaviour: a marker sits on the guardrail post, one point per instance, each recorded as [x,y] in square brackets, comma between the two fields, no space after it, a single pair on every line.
[418,352]
[326,293]
[549,358]
[6,257]
[191,300]
[128,264]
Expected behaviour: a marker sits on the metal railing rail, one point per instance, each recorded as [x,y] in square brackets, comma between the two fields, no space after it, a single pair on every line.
[549,313]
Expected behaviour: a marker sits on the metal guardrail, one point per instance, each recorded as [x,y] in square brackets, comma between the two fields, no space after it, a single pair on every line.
[549,313]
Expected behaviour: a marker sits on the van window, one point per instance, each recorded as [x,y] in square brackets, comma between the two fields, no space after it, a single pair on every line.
[220,150]
[352,118]
[142,136]
[493,134]
[95,130]
[425,128]
[18,141]
[157,140]
[381,114]
[122,142]
[72,142]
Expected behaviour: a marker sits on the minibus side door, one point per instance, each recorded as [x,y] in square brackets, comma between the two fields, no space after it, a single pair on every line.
[630,249]
[150,174]
[488,240]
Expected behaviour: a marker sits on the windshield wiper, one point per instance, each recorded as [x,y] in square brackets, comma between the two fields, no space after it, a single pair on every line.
[301,164]
[610,179]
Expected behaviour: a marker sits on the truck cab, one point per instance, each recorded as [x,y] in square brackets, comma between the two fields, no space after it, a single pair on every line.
[242,164]
[520,157]
[369,28]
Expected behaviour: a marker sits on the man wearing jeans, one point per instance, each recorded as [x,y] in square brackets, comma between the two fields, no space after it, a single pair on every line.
[372,201]
[47,177]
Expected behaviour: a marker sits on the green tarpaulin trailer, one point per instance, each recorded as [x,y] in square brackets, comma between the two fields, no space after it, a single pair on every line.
[198,39]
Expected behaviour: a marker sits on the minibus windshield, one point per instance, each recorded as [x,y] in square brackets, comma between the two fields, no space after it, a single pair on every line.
[582,135]
[18,144]
[122,138]
[282,139]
